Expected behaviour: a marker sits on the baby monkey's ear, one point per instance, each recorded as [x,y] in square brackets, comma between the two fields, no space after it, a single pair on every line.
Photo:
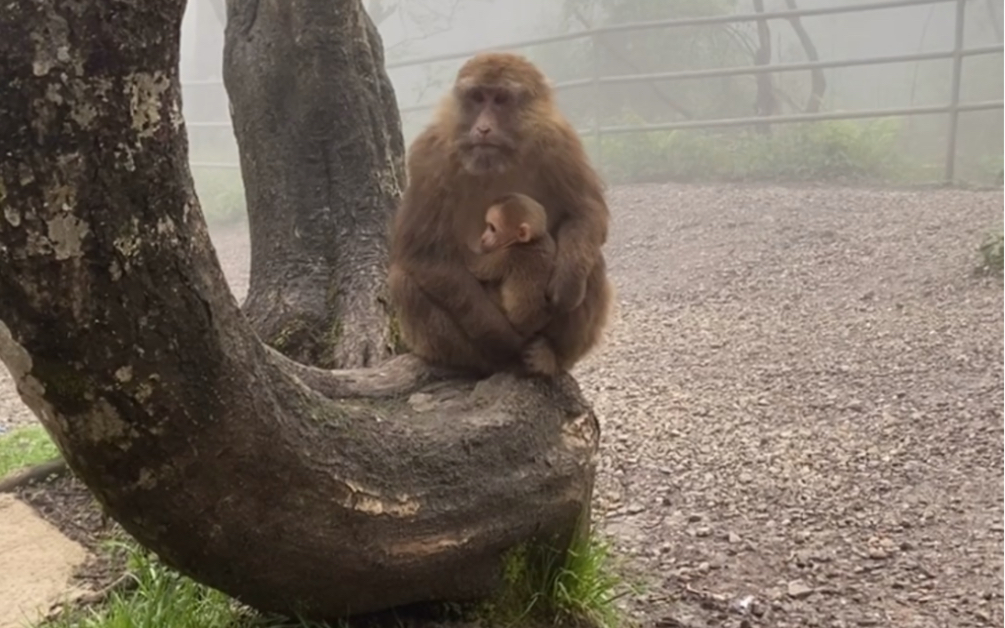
[523,233]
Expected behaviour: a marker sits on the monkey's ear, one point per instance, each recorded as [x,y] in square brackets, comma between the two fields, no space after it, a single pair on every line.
[523,233]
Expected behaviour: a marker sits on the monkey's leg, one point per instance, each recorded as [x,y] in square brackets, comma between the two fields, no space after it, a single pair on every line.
[539,358]
[429,331]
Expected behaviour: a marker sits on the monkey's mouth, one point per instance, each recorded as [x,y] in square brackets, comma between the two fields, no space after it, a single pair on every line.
[488,150]
[482,157]
[486,145]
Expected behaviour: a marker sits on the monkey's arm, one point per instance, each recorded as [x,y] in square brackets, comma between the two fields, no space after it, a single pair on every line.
[458,293]
[579,238]
[490,266]
[524,298]
[580,217]
[529,316]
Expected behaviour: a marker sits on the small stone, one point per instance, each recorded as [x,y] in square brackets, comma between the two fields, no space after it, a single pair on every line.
[421,402]
[703,531]
[636,509]
[798,590]
[878,553]
[694,518]
[745,477]
[733,538]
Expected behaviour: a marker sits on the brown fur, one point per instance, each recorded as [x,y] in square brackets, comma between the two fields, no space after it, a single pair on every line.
[516,261]
[525,145]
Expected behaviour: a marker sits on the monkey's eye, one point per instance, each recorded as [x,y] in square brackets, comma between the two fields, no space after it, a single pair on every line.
[501,98]
[492,228]
[478,97]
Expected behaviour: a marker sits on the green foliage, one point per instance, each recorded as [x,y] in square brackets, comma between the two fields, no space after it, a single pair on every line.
[824,151]
[991,253]
[542,587]
[24,447]
[161,597]
[650,51]
[221,194]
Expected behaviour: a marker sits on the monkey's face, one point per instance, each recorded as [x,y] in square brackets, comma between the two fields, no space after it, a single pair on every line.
[501,232]
[488,126]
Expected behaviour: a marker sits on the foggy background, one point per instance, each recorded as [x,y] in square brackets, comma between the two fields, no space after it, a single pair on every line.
[889,150]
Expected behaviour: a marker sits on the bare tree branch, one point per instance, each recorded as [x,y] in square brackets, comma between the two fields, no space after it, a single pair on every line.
[819,81]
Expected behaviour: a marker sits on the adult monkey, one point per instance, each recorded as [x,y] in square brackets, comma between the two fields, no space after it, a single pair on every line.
[497,132]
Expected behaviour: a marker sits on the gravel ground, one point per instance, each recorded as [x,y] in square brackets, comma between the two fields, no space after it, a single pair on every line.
[801,400]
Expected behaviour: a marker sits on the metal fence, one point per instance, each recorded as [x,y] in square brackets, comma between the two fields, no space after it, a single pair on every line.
[952,108]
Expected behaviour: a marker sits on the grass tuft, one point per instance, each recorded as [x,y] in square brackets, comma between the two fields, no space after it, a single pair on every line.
[991,251]
[24,447]
[543,588]
[158,597]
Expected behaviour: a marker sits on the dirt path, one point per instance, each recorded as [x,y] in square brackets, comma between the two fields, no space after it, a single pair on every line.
[37,564]
[801,404]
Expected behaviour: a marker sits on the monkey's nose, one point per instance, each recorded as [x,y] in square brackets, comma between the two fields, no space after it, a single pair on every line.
[483,130]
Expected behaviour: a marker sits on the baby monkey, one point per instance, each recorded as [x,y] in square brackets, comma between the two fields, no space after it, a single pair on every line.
[517,256]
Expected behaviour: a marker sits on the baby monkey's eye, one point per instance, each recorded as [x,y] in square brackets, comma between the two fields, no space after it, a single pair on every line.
[501,98]
[492,228]
[477,96]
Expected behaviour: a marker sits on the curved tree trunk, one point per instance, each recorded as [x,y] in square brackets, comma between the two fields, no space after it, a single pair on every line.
[321,150]
[289,487]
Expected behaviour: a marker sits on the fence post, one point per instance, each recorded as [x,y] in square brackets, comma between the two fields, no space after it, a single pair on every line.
[599,149]
[954,96]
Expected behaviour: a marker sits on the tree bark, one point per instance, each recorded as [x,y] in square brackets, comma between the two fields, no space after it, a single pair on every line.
[321,149]
[291,488]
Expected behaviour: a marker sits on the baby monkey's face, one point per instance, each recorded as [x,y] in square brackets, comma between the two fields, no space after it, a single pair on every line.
[503,229]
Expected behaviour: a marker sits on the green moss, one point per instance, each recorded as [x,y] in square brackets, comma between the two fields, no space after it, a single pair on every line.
[397,341]
[335,332]
[284,337]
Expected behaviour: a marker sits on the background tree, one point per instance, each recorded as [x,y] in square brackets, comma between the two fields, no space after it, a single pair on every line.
[319,138]
[292,488]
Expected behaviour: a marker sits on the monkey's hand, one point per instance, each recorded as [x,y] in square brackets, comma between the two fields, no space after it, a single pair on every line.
[539,358]
[566,290]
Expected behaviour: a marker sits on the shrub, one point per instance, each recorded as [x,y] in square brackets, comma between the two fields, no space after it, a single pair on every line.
[221,194]
[823,151]
[991,253]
